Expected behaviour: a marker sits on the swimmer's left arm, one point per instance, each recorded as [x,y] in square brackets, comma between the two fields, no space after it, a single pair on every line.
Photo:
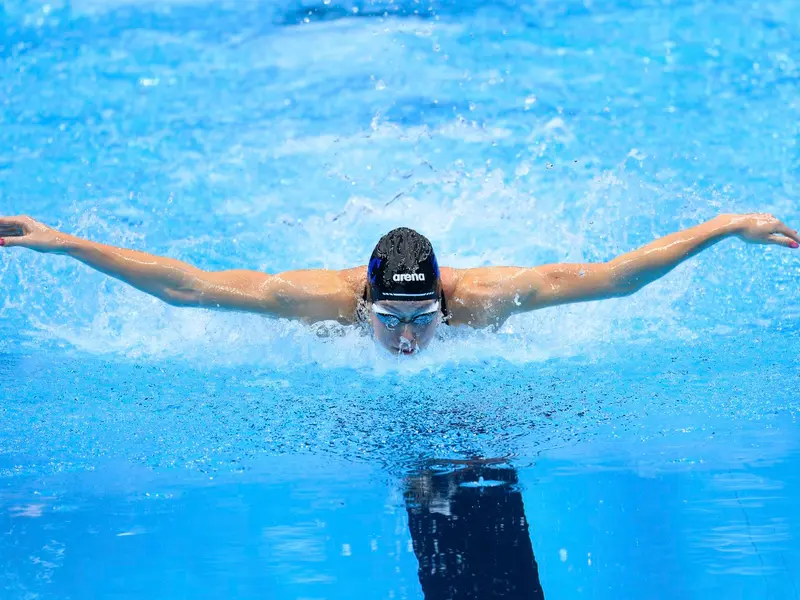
[490,295]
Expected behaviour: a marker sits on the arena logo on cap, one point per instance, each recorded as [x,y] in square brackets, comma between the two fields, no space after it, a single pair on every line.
[408,277]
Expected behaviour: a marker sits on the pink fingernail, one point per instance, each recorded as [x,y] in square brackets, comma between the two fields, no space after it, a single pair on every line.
[792,245]
[2,242]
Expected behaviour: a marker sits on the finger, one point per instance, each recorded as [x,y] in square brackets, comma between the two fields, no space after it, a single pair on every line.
[9,242]
[790,233]
[17,231]
[782,240]
[11,226]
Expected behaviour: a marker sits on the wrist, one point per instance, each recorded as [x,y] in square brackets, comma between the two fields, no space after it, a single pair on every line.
[728,224]
[64,243]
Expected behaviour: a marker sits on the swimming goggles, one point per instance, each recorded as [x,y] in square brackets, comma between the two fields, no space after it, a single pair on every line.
[392,321]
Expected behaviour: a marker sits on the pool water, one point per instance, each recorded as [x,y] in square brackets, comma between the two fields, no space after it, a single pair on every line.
[641,448]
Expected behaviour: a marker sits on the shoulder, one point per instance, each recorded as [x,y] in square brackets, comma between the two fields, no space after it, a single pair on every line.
[322,294]
[455,287]
[478,280]
[482,296]
[355,279]
[450,278]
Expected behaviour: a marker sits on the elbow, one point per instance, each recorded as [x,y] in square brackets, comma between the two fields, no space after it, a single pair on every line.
[623,283]
[622,289]
[180,298]
[626,290]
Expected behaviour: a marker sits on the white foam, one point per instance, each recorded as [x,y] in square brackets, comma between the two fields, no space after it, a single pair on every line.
[100,316]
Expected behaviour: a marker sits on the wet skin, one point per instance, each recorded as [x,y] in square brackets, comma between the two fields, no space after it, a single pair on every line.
[407,338]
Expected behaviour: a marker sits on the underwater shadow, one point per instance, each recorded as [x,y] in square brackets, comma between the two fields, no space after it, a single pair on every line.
[469,532]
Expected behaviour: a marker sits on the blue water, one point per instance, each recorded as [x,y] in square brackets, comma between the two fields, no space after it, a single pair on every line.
[641,448]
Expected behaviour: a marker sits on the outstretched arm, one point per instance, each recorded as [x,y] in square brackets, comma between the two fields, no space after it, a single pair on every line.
[490,295]
[312,295]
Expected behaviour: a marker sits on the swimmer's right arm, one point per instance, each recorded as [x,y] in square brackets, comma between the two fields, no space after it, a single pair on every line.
[310,295]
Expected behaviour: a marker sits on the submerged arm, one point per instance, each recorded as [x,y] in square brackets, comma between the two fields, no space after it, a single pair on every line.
[312,295]
[491,295]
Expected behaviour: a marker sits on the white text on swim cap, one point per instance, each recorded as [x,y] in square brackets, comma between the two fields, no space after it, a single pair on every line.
[408,277]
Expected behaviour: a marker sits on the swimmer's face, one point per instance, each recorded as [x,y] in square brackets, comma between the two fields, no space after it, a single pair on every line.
[416,327]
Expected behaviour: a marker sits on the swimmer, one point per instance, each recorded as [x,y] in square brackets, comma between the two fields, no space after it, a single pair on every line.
[402,293]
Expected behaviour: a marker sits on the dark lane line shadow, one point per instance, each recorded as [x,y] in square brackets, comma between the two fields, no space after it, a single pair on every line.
[469,532]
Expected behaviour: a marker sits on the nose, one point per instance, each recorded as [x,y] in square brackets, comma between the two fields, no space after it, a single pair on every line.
[406,334]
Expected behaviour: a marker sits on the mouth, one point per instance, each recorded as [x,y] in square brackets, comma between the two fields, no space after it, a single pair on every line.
[406,350]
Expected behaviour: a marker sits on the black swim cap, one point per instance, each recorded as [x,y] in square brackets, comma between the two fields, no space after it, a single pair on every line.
[403,267]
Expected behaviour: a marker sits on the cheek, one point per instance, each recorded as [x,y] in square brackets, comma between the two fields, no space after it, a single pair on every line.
[428,334]
[380,331]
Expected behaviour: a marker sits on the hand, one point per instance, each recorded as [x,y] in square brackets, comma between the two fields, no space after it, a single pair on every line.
[28,233]
[762,228]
